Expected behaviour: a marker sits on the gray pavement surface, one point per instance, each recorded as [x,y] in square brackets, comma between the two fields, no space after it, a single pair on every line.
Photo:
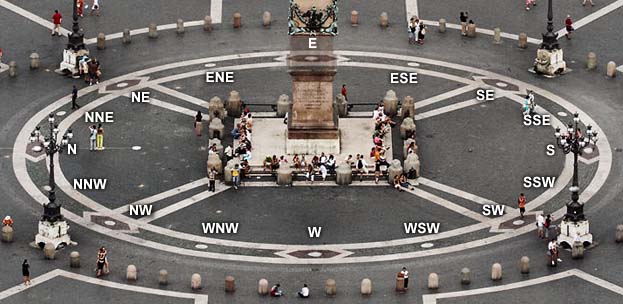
[599,97]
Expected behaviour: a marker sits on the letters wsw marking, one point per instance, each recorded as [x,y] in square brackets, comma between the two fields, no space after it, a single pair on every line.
[421,228]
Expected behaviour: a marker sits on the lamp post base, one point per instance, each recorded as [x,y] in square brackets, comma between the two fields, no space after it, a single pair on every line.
[55,233]
[550,62]
[71,59]
[569,230]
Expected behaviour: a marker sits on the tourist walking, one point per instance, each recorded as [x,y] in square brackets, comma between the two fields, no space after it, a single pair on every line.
[212,179]
[540,224]
[530,2]
[100,137]
[304,293]
[463,18]
[344,93]
[57,19]
[521,202]
[102,266]
[74,97]
[198,123]
[95,8]
[92,137]
[590,1]
[404,273]
[569,26]
[26,272]
[80,8]
[411,30]
[552,252]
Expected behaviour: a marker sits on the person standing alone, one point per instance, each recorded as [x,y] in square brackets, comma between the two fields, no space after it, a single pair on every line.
[92,137]
[100,137]
[521,202]
[405,274]
[57,18]
[344,92]
[26,272]
[212,179]
[463,18]
[198,123]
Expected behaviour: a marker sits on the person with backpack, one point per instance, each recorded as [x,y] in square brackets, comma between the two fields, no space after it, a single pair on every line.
[361,166]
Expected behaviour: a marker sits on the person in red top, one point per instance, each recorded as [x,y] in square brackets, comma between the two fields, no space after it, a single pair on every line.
[80,7]
[522,204]
[569,27]
[57,18]
[344,92]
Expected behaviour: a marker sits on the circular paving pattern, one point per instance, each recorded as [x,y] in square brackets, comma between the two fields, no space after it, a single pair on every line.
[487,230]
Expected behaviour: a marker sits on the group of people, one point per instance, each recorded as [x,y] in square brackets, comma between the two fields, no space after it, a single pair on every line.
[96,137]
[90,69]
[323,164]
[57,18]
[242,135]
[382,128]
[548,230]
[417,30]
[276,291]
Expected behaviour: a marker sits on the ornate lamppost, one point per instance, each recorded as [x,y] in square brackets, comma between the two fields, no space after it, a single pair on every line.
[75,47]
[574,141]
[52,226]
[549,57]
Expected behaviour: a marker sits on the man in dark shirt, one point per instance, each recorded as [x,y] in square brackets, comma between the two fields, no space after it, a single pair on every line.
[74,96]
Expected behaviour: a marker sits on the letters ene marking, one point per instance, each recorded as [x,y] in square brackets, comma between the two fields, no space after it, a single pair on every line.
[90,183]
[421,228]
[403,78]
[482,94]
[98,117]
[140,96]
[219,77]
[537,120]
[539,181]
[220,228]
[495,210]
[314,232]
[141,210]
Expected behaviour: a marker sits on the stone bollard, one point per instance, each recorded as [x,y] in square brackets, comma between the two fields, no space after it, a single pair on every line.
[330,288]
[12,69]
[465,276]
[497,35]
[262,287]
[153,31]
[384,20]
[284,176]
[342,105]
[354,18]
[180,26]
[215,162]
[216,129]
[74,259]
[433,281]
[400,283]
[101,41]
[126,37]
[407,127]
[471,30]
[207,23]
[619,234]
[7,234]
[394,169]
[591,61]
[131,273]
[522,43]
[266,19]
[283,105]
[344,175]
[390,103]
[408,107]
[496,272]
[412,162]
[34,61]
[234,104]
[49,251]
[237,20]
[163,277]
[611,69]
[230,284]
[216,108]
[442,25]
[195,281]
[577,251]
[524,265]
[366,287]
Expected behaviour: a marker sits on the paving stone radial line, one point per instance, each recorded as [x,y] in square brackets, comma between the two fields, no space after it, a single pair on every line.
[19,164]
